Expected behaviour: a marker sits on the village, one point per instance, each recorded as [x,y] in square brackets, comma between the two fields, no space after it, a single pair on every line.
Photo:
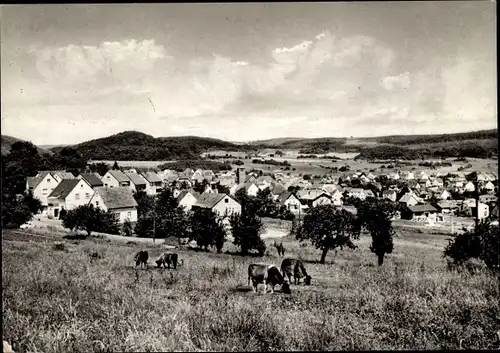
[430,199]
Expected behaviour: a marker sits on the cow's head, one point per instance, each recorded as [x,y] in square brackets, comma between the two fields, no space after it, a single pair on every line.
[285,288]
[158,263]
[307,280]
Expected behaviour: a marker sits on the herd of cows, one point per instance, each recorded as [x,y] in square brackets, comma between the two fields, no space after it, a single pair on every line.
[266,274]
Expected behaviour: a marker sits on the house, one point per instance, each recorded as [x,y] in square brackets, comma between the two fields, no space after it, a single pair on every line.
[469,186]
[116,178]
[409,199]
[169,176]
[394,176]
[390,195]
[250,188]
[91,179]
[484,210]
[154,184]
[197,176]
[447,207]
[369,193]
[117,200]
[357,193]
[221,204]
[264,181]
[423,176]
[41,186]
[420,212]
[407,175]
[226,180]
[442,194]
[187,198]
[290,201]
[138,182]
[336,198]
[314,197]
[488,198]
[69,194]
[208,175]
[489,186]
[277,189]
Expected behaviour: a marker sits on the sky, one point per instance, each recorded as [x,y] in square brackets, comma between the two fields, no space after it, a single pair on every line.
[243,71]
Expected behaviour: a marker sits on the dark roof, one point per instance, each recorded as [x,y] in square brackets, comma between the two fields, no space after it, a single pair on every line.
[152,177]
[277,189]
[63,174]
[285,195]
[447,204]
[92,179]
[34,181]
[137,179]
[119,175]
[207,200]
[422,208]
[119,197]
[63,189]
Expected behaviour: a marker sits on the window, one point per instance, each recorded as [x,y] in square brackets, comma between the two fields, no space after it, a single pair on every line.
[44,190]
[81,185]
[129,215]
[48,180]
[226,200]
[87,195]
[117,215]
[97,203]
[77,196]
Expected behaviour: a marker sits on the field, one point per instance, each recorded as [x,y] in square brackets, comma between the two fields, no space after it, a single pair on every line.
[68,300]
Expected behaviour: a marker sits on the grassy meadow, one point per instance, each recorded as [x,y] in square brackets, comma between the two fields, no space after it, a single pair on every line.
[88,297]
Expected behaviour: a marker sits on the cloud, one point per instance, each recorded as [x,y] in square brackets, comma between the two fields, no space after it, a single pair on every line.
[118,62]
[391,83]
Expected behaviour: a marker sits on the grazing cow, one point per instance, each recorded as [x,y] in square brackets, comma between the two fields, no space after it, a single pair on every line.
[166,259]
[280,248]
[141,258]
[295,268]
[266,274]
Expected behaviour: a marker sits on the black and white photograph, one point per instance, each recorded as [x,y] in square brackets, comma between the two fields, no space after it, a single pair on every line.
[268,176]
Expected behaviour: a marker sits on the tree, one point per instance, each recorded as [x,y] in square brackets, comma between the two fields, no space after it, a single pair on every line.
[375,215]
[246,228]
[279,153]
[221,189]
[207,229]
[264,203]
[481,243]
[127,228]
[100,168]
[70,160]
[200,187]
[91,219]
[328,228]
[116,166]
[171,220]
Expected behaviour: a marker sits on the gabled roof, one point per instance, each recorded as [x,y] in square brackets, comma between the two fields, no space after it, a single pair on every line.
[92,179]
[422,208]
[119,175]
[311,194]
[137,179]
[185,192]
[64,188]
[152,177]
[447,204]
[63,174]
[278,189]
[34,181]
[407,197]
[119,197]
[207,200]
[285,195]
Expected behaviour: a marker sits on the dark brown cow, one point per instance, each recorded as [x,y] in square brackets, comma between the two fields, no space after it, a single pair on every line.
[166,259]
[266,274]
[141,258]
[295,268]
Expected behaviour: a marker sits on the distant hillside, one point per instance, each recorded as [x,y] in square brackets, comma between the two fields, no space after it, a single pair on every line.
[420,139]
[7,141]
[275,142]
[133,145]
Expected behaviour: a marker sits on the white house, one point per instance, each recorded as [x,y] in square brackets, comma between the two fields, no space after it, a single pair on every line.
[41,186]
[69,194]
[356,192]
[390,195]
[117,200]
[187,198]
[489,186]
[250,188]
[221,204]
[409,199]
[116,178]
[138,183]
[290,201]
[154,184]
[313,198]
[469,186]
[336,198]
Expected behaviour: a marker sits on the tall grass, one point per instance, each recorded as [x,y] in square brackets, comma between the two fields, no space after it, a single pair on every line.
[75,300]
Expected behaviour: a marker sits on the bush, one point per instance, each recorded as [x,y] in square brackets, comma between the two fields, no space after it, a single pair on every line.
[246,228]
[480,243]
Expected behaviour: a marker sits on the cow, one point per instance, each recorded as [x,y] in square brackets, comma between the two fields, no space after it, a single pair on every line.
[166,259]
[280,248]
[295,268]
[266,274]
[141,258]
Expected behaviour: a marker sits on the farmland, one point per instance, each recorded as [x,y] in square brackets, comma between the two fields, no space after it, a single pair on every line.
[67,300]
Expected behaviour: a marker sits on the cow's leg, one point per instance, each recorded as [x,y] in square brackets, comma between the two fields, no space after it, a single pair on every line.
[175,264]
[265,287]
[272,288]
[254,285]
